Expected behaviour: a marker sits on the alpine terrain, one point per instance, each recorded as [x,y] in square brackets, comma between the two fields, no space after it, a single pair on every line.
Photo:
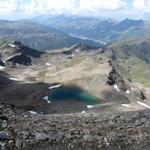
[74,82]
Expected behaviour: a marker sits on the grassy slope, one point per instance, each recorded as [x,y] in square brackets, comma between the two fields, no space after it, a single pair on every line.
[139,70]
[134,55]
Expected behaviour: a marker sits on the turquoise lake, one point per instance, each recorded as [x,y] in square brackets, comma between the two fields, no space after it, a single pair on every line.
[72,93]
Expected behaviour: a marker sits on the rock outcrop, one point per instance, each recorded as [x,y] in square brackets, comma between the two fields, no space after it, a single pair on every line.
[13,53]
[122,85]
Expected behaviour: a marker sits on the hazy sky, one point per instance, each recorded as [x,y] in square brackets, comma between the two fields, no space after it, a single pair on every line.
[16,9]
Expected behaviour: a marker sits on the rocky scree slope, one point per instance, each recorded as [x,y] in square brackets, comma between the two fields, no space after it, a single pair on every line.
[27,131]
[13,53]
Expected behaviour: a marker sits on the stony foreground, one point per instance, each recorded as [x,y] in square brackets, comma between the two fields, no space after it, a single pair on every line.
[119,131]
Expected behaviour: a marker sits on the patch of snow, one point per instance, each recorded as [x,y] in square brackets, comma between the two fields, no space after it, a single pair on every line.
[126,105]
[89,106]
[33,112]
[3,61]
[46,99]
[132,88]
[127,91]
[83,112]
[14,79]
[17,64]
[72,55]
[2,68]
[143,104]
[11,45]
[116,87]
[47,64]
[55,86]
[77,50]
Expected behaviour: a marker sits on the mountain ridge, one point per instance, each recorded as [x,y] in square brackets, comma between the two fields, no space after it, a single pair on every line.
[38,36]
[100,30]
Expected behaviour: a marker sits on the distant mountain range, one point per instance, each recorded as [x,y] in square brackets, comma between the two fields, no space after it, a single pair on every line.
[100,30]
[38,36]
[48,32]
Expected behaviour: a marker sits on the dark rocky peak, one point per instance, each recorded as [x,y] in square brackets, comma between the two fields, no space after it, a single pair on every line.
[27,50]
[17,43]
[21,59]
[122,85]
[15,52]
[116,80]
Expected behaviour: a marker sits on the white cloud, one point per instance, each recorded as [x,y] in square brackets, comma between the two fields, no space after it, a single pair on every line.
[81,7]
[139,4]
[98,7]
[59,6]
[7,6]
[100,4]
[43,6]
[142,5]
